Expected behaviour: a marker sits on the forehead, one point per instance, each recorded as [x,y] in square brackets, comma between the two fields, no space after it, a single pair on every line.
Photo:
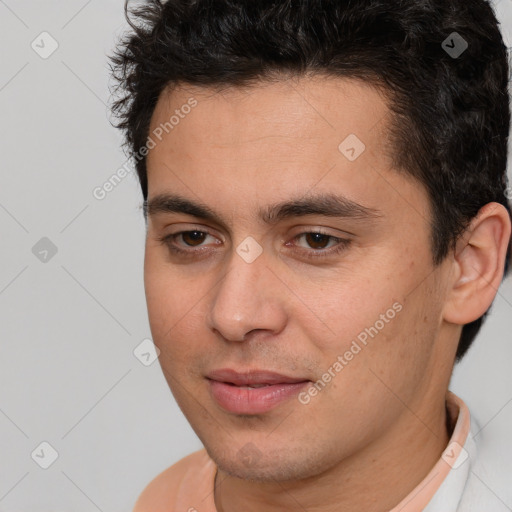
[260,144]
[308,108]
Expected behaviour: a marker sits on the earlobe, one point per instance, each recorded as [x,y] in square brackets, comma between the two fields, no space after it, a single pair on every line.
[479,260]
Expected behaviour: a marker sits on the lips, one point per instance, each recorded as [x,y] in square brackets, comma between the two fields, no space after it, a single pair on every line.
[252,377]
[252,391]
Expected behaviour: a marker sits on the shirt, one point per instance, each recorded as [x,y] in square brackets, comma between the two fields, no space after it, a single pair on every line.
[460,481]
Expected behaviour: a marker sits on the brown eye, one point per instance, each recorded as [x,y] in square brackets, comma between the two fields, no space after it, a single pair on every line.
[317,240]
[193,238]
[189,244]
[315,245]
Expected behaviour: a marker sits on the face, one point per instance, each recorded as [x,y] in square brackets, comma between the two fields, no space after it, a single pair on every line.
[288,273]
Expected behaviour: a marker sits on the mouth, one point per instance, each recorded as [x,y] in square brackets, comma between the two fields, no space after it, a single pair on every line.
[252,391]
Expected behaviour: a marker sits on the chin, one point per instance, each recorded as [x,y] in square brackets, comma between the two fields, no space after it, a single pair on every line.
[273,465]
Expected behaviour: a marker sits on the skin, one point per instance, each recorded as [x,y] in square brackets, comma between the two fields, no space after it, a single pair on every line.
[374,432]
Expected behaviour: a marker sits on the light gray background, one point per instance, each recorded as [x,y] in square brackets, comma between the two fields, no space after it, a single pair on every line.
[68,375]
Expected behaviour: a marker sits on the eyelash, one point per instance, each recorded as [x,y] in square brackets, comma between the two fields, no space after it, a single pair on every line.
[342,244]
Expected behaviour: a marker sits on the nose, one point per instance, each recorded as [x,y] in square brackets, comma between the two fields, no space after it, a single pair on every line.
[248,298]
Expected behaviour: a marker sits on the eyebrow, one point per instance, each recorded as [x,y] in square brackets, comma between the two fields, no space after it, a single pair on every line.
[328,205]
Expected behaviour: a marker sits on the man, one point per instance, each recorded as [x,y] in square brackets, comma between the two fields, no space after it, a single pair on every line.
[327,225]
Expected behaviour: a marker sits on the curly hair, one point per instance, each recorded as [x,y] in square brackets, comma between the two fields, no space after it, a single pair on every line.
[450,113]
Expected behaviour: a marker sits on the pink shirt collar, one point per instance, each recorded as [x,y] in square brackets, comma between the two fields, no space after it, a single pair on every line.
[451,464]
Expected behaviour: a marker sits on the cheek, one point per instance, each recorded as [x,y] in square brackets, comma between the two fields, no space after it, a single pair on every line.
[378,316]
[163,308]
[401,352]
[352,307]
[174,307]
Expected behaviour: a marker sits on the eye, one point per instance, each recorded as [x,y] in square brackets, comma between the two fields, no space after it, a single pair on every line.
[191,239]
[317,240]
[320,244]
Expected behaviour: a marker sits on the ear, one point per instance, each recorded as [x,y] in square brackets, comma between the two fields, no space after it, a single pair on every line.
[479,261]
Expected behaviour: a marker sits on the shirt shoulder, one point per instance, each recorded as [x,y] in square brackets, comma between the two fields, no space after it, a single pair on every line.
[180,485]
